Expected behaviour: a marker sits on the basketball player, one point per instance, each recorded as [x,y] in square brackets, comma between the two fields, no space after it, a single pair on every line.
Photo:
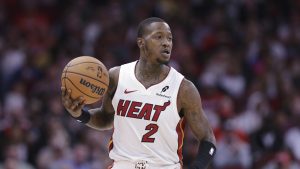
[147,105]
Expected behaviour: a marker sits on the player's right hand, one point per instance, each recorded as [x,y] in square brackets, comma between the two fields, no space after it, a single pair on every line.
[73,106]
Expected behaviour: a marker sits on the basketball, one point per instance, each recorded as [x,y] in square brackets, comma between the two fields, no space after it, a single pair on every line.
[86,76]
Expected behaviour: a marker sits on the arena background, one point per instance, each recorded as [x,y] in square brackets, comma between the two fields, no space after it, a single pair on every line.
[243,55]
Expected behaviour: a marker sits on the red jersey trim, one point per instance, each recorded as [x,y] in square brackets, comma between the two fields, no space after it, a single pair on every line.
[180,131]
[111,143]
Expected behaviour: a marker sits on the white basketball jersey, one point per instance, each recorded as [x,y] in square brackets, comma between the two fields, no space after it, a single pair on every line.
[147,125]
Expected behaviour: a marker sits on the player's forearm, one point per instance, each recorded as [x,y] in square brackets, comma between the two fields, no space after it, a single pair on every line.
[207,147]
[100,120]
[209,136]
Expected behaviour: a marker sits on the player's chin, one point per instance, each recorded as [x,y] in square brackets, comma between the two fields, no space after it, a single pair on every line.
[163,61]
[165,58]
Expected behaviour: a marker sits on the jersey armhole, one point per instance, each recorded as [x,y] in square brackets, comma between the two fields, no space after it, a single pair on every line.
[115,90]
[180,113]
[113,94]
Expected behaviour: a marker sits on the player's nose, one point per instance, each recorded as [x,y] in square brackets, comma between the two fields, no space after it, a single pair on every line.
[165,42]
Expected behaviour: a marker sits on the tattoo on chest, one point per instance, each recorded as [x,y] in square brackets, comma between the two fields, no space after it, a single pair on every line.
[147,80]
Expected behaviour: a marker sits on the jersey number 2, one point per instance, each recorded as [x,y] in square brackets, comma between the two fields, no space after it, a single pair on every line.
[153,128]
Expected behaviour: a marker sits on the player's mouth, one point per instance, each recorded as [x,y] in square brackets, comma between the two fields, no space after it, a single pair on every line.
[166,52]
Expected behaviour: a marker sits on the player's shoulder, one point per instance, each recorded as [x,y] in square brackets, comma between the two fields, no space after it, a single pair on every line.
[113,77]
[188,95]
[114,72]
[187,88]
[187,85]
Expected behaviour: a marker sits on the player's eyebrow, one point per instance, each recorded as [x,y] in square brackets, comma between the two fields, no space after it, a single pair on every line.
[162,32]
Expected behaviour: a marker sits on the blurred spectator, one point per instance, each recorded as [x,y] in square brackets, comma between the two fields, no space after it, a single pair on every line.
[57,153]
[234,152]
[15,157]
[291,141]
[282,160]
[80,157]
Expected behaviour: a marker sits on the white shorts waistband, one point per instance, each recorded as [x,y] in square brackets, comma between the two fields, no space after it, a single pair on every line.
[142,165]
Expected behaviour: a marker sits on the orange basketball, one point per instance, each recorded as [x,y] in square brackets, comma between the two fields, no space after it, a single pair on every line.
[86,76]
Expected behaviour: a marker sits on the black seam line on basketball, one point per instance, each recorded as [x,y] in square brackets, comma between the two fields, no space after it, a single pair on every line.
[84,62]
[87,76]
[65,77]
[80,90]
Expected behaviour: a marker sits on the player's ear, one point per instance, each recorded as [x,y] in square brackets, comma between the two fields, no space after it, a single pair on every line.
[140,42]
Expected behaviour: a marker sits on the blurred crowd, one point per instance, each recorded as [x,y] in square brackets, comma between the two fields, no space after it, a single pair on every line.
[243,56]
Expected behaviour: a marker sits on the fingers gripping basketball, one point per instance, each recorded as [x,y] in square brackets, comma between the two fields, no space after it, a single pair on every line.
[87,77]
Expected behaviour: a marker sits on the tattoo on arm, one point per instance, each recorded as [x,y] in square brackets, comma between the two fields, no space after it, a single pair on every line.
[190,102]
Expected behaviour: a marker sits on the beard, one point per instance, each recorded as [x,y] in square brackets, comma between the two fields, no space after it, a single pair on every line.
[161,61]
